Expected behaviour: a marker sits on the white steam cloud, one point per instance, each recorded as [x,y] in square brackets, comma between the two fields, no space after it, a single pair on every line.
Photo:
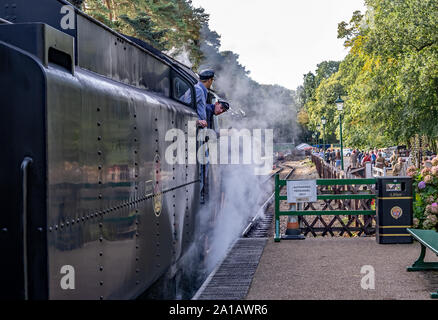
[238,193]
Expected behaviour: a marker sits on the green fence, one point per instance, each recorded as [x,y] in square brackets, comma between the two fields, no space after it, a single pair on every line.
[352,198]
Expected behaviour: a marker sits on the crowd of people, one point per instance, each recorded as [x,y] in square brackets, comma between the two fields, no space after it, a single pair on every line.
[359,158]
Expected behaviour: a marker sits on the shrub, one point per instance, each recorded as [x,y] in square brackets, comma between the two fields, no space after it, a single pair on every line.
[425,183]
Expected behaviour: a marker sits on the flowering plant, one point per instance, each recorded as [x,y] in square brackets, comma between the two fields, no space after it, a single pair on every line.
[425,182]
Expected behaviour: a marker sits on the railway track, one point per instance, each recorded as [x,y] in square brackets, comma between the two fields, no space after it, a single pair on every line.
[259,225]
[232,277]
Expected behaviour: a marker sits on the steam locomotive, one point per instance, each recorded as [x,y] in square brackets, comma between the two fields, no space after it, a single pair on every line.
[91,209]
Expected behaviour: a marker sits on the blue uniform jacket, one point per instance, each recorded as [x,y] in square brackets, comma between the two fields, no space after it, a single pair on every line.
[205,111]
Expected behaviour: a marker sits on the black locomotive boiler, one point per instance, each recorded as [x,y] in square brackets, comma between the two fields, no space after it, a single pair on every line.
[91,209]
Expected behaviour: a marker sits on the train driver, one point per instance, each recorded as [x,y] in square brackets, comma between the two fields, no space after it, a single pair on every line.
[206,111]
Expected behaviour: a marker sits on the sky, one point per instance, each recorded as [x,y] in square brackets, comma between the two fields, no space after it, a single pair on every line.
[280,40]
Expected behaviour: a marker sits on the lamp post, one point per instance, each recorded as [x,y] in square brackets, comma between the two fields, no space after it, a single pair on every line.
[318,127]
[340,105]
[323,121]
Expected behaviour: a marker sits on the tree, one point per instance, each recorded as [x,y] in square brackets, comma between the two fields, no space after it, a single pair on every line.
[389,77]
[144,28]
[316,99]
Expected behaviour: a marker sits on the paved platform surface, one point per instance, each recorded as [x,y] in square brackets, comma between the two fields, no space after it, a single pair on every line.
[330,268]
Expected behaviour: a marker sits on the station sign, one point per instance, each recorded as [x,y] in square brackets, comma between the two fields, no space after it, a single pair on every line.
[299,191]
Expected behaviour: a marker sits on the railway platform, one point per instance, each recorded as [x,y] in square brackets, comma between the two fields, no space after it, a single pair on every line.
[330,269]
[319,268]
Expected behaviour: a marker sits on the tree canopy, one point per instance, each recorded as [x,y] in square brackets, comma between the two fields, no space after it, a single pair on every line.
[389,79]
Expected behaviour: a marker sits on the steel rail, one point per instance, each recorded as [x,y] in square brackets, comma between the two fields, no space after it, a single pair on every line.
[263,207]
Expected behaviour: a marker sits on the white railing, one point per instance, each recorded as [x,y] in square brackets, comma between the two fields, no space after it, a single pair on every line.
[379,172]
